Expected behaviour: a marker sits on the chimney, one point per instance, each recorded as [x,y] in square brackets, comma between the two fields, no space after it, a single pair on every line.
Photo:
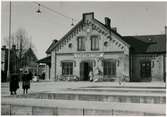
[88,16]
[107,22]
[114,29]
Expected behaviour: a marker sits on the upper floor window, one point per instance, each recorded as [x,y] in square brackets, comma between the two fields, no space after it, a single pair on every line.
[94,43]
[81,43]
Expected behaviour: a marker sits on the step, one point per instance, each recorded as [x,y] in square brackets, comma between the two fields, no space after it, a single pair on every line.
[143,90]
[21,106]
[100,96]
[127,86]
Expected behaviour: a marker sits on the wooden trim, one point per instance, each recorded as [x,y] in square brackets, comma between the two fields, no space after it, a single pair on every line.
[93,52]
[64,53]
[111,31]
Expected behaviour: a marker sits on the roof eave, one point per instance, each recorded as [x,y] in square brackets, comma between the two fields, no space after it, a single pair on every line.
[128,45]
[66,35]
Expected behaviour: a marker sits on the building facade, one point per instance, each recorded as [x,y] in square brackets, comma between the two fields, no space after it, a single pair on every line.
[91,46]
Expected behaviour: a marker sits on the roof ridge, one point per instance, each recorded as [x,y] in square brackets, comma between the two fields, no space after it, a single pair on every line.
[145,35]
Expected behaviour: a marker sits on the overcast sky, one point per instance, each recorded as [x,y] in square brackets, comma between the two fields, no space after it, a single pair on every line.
[130,18]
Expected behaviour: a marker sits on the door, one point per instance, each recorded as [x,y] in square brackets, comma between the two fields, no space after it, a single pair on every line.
[85,68]
[145,70]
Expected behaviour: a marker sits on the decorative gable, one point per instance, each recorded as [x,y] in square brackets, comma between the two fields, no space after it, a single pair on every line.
[109,40]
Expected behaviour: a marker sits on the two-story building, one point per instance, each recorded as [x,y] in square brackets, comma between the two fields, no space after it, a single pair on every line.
[93,46]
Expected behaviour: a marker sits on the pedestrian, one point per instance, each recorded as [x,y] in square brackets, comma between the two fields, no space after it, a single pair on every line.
[26,81]
[97,75]
[14,83]
[30,75]
[43,75]
[91,75]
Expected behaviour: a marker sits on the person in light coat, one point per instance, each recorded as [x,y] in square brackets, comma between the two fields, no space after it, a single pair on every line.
[91,75]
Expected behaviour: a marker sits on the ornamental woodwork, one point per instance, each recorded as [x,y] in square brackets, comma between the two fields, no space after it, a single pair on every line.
[94,27]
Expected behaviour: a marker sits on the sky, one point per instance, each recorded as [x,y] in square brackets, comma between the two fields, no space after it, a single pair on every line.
[130,18]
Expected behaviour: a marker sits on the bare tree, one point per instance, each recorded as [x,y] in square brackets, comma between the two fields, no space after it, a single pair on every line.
[22,41]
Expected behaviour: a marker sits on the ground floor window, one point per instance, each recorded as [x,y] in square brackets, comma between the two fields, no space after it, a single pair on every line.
[67,68]
[109,67]
[145,69]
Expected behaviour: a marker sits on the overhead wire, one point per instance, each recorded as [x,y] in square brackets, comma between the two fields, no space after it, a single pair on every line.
[55,11]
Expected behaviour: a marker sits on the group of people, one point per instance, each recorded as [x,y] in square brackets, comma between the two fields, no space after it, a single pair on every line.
[94,76]
[14,82]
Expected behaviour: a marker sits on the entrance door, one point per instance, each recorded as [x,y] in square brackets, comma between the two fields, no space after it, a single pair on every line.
[85,68]
[145,70]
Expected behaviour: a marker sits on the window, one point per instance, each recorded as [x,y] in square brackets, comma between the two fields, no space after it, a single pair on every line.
[94,43]
[81,43]
[109,67]
[70,45]
[105,43]
[145,69]
[67,68]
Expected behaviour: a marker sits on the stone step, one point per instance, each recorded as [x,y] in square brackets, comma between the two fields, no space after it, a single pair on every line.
[100,96]
[142,90]
[20,106]
[137,86]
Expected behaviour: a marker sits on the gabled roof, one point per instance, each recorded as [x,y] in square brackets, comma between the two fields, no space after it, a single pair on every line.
[139,44]
[45,60]
[30,52]
[54,45]
[51,46]
[115,32]
[147,43]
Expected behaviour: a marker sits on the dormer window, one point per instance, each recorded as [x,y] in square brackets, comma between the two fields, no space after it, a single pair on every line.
[81,43]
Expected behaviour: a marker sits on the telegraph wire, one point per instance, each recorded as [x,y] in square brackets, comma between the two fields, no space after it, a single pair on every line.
[55,11]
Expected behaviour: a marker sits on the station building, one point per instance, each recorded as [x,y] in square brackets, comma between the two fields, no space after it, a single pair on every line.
[93,46]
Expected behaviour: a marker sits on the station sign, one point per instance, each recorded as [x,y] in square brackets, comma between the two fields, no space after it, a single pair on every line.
[88,55]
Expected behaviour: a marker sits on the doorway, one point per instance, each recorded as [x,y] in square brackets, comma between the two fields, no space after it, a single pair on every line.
[145,70]
[85,68]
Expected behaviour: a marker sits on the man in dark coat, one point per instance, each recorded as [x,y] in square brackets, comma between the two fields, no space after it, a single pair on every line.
[14,83]
[26,81]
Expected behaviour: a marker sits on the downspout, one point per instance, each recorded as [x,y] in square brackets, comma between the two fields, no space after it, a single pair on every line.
[130,65]
[165,55]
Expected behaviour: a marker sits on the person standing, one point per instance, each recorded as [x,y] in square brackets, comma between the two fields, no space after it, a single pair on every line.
[91,75]
[14,83]
[26,81]
[30,75]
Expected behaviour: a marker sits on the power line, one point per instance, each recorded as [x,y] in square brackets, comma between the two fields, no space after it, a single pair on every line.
[54,11]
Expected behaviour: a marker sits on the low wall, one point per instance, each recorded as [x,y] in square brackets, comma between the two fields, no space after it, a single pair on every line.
[9,109]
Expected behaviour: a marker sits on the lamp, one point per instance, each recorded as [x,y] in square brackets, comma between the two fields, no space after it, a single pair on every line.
[39,11]
[72,24]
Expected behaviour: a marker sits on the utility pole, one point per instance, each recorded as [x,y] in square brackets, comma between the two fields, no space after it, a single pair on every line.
[8,70]
[20,56]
